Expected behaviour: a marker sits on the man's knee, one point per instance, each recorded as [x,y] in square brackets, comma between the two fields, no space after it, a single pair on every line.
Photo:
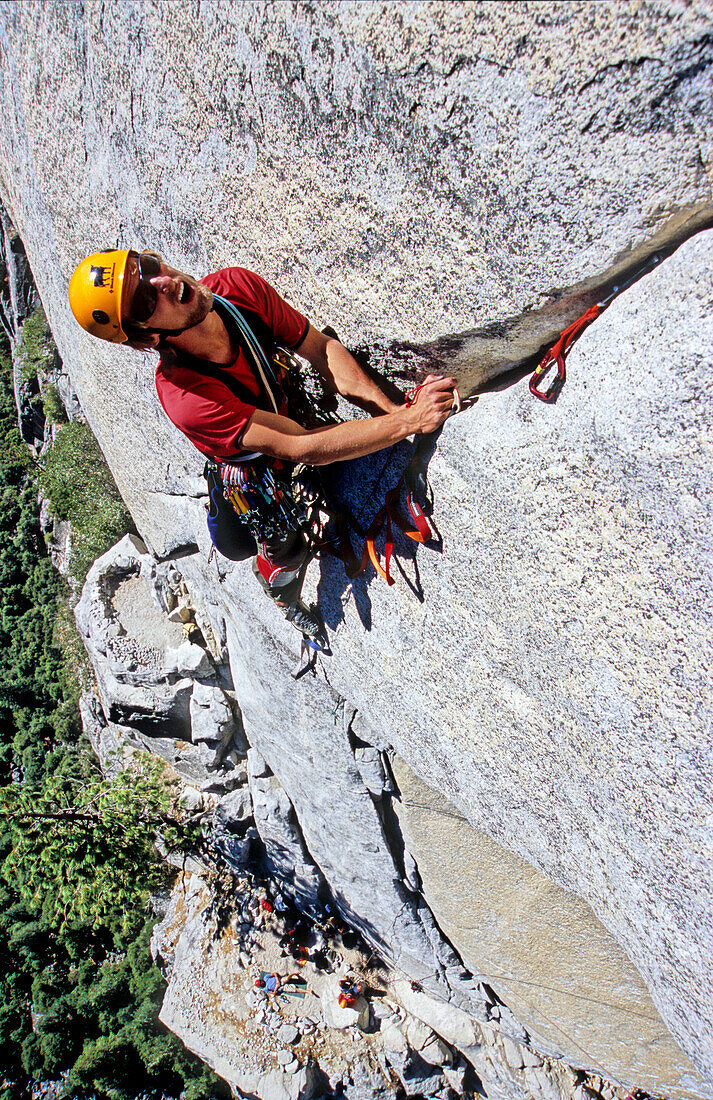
[279,568]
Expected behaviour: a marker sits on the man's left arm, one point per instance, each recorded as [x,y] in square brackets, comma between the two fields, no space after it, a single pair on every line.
[343,373]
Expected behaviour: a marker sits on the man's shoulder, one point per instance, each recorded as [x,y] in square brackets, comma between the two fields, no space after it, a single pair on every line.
[249,291]
[233,282]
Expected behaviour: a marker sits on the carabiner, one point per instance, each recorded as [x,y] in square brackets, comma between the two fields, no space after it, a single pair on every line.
[552,392]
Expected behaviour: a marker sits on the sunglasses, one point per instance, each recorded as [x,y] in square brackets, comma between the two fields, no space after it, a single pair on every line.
[145,296]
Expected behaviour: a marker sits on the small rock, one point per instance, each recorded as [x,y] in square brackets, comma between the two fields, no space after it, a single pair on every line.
[513,1054]
[236,806]
[416,1032]
[191,799]
[288,1033]
[292,1066]
[371,769]
[455,1077]
[256,765]
[436,1052]
[284,1057]
[393,1039]
[582,1092]
[540,1081]
[510,1025]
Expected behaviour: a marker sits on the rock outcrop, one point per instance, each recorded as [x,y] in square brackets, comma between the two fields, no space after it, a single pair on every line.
[153,678]
[403,172]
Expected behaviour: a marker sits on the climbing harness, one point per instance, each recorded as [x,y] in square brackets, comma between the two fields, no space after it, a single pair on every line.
[263,494]
[557,354]
[271,499]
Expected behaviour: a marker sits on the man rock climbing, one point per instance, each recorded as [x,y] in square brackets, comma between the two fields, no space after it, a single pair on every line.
[216,339]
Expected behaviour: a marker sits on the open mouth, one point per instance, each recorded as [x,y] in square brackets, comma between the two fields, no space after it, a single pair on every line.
[184,293]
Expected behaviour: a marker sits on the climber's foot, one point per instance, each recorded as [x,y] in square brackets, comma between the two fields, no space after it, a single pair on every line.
[309,621]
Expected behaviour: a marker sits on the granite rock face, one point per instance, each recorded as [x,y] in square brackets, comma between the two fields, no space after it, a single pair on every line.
[402,172]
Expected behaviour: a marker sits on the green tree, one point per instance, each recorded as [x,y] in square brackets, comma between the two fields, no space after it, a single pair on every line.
[83,847]
[37,350]
[79,993]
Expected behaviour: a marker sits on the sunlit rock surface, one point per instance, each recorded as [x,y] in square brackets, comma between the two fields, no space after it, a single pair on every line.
[548,958]
[403,171]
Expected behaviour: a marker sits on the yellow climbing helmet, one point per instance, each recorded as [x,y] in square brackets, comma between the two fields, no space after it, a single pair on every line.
[95,292]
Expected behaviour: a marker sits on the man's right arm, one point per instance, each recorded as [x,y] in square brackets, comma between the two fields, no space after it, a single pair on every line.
[280,437]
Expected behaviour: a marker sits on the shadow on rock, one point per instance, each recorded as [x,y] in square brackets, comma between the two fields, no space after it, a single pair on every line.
[513,346]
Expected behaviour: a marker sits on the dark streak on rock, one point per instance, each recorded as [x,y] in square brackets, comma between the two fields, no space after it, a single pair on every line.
[517,343]
[689,73]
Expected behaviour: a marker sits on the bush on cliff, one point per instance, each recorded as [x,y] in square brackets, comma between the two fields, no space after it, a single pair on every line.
[80,488]
[53,405]
[82,847]
[73,474]
[37,352]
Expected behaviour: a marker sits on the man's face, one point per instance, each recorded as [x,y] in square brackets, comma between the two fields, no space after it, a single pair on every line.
[181,302]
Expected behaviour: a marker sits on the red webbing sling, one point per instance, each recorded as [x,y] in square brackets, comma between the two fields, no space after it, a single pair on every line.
[558,352]
[390,513]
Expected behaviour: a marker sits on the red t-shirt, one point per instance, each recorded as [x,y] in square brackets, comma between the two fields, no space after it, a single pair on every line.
[204,409]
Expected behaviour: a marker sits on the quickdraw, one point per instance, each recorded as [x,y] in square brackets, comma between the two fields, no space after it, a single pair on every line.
[557,354]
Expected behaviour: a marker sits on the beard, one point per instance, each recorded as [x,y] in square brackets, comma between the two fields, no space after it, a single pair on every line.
[200,309]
